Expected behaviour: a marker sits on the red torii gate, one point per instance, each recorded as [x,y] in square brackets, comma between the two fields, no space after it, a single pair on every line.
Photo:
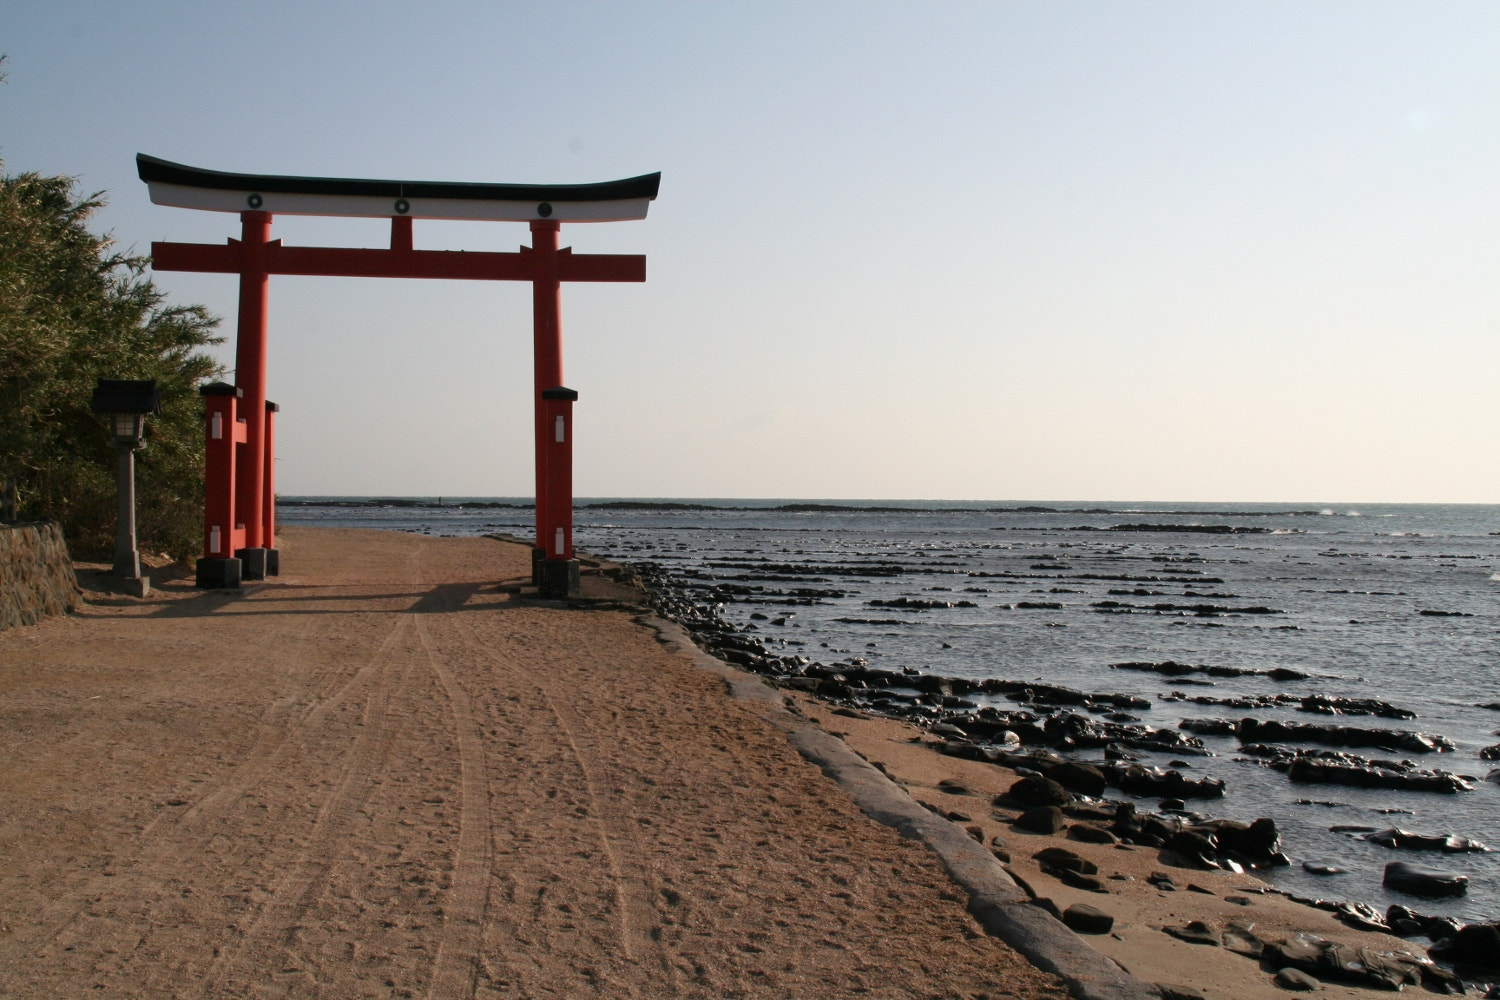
[239,517]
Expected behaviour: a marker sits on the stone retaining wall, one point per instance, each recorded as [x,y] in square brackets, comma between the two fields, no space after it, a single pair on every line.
[36,574]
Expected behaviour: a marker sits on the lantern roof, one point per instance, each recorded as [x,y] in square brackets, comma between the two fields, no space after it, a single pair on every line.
[114,395]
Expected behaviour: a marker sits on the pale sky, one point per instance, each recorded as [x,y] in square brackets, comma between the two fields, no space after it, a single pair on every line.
[1006,251]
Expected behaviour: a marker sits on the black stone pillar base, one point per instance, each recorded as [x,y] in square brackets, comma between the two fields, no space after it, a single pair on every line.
[559,578]
[273,562]
[254,561]
[216,574]
[538,556]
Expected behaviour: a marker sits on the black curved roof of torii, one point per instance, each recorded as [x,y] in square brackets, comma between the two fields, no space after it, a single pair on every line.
[152,169]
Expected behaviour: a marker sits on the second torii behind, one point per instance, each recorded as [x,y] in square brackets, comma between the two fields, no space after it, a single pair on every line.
[238,526]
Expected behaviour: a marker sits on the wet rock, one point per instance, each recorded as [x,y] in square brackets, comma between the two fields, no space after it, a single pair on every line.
[1258,843]
[1326,705]
[1038,791]
[1042,819]
[1085,779]
[1362,916]
[1333,960]
[1448,843]
[1490,752]
[1322,868]
[1318,770]
[1474,944]
[1086,919]
[1154,782]
[1428,882]
[1210,727]
[1276,731]
[1194,848]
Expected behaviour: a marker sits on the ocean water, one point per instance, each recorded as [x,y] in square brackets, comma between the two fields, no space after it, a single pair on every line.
[1399,603]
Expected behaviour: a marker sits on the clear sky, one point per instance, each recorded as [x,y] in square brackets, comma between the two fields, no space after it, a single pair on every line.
[1002,250]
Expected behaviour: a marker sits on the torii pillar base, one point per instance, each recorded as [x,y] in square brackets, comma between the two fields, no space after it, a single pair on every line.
[558,578]
[219,574]
[254,562]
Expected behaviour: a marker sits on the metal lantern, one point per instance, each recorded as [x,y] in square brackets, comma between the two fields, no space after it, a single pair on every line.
[127,403]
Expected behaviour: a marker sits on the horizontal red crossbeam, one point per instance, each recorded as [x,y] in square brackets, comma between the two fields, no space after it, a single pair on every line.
[352,263]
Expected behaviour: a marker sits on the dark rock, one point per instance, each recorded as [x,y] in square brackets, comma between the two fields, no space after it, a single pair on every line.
[1325,705]
[1313,770]
[1154,782]
[1171,992]
[1362,916]
[1042,902]
[1239,939]
[1085,779]
[1090,834]
[1195,932]
[1428,882]
[1448,843]
[1276,731]
[1194,848]
[1321,868]
[1295,979]
[1475,944]
[951,787]
[1324,959]
[1259,842]
[1042,819]
[1086,919]
[1436,979]
[1061,857]
[1087,883]
[1439,928]
[1490,752]
[1039,792]
[1173,805]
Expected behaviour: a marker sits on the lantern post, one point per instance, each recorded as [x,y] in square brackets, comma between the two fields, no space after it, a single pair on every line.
[127,403]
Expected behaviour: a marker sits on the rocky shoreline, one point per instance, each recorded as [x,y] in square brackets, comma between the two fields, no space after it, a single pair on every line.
[1059,793]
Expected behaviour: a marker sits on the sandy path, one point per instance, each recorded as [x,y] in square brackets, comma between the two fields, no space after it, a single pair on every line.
[383,776]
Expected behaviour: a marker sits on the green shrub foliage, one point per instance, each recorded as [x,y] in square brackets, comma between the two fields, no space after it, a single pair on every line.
[74,310]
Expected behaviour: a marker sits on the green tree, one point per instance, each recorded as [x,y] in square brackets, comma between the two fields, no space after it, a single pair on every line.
[74,310]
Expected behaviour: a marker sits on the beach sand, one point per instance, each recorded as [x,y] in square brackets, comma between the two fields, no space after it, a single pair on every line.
[384,775]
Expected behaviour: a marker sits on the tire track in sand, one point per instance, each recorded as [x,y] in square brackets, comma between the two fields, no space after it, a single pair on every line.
[266,938]
[455,968]
[174,835]
[635,888]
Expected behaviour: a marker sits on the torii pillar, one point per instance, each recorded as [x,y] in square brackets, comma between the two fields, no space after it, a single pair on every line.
[247,505]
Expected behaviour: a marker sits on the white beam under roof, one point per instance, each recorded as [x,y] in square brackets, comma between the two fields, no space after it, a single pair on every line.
[180,186]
